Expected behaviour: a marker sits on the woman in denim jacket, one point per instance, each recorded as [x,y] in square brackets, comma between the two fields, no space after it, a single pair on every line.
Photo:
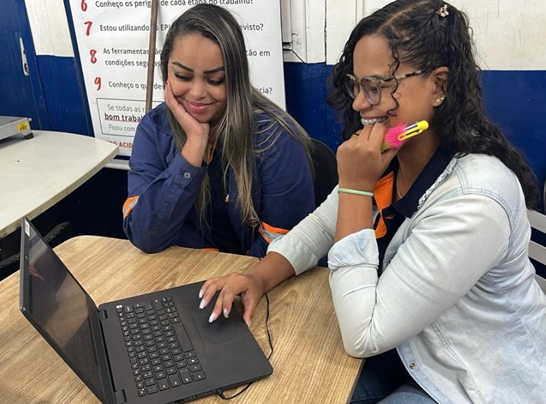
[431,278]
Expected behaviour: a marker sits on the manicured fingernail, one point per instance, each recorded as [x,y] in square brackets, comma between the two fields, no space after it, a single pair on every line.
[226,313]
[200,293]
[249,323]
[202,304]
[212,317]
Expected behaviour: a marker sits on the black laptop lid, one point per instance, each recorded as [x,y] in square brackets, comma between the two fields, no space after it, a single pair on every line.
[58,307]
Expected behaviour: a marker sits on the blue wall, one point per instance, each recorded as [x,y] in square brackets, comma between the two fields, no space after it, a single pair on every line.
[515,100]
[66,107]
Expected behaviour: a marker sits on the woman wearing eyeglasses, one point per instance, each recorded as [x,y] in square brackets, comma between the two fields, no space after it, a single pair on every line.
[427,244]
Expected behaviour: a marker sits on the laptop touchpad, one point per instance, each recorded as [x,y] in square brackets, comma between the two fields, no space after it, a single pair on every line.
[222,331]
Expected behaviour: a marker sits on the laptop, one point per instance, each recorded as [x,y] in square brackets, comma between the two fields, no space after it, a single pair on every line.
[153,348]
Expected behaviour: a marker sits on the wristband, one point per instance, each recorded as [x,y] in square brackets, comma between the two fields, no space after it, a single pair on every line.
[355,192]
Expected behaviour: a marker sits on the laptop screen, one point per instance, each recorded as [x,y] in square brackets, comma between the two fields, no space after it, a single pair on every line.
[59,308]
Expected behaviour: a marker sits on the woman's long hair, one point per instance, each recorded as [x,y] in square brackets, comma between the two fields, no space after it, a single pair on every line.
[420,36]
[237,126]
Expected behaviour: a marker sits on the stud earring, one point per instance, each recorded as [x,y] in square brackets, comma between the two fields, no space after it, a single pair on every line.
[440,100]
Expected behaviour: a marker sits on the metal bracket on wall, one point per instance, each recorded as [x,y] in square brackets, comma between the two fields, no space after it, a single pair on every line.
[26,70]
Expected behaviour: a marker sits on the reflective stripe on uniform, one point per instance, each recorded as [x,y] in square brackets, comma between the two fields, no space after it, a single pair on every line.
[129,205]
[270,233]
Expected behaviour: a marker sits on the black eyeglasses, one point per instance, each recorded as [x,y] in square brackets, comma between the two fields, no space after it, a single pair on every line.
[371,86]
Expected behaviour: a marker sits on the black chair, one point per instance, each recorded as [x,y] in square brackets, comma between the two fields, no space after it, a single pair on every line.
[325,167]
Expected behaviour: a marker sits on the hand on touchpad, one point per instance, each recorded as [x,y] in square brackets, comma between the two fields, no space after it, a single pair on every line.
[222,331]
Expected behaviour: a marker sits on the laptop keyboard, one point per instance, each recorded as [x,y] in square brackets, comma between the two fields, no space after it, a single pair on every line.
[160,352]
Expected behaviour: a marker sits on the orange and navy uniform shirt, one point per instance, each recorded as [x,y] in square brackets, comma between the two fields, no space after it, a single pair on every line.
[392,213]
[163,188]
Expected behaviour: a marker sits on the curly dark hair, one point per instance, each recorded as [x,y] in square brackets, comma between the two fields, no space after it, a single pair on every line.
[420,37]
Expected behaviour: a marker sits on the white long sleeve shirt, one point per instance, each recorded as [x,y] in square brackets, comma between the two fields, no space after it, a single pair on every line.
[457,297]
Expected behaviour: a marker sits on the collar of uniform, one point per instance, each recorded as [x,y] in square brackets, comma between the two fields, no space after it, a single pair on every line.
[159,117]
[436,166]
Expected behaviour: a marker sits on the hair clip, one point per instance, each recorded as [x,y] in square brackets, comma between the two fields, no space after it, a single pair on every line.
[442,11]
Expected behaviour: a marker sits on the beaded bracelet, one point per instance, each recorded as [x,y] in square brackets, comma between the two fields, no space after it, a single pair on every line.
[355,192]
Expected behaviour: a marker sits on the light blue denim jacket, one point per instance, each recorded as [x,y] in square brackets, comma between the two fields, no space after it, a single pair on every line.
[457,297]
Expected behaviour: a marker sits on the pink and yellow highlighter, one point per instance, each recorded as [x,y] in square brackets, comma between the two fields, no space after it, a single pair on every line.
[398,135]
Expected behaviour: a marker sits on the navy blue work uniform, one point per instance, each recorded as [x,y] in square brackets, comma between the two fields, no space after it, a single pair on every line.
[163,187]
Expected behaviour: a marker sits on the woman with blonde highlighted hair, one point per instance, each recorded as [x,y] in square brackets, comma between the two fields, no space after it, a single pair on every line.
[218,165]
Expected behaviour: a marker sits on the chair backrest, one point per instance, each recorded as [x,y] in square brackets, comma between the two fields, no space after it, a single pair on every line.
[325,167]
[537,251]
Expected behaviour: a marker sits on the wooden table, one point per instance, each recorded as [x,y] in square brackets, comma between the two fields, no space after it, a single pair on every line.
[37,173]
[309,362]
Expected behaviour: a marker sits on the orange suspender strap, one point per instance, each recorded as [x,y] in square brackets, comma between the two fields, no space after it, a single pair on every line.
[383,198]
[129,205]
